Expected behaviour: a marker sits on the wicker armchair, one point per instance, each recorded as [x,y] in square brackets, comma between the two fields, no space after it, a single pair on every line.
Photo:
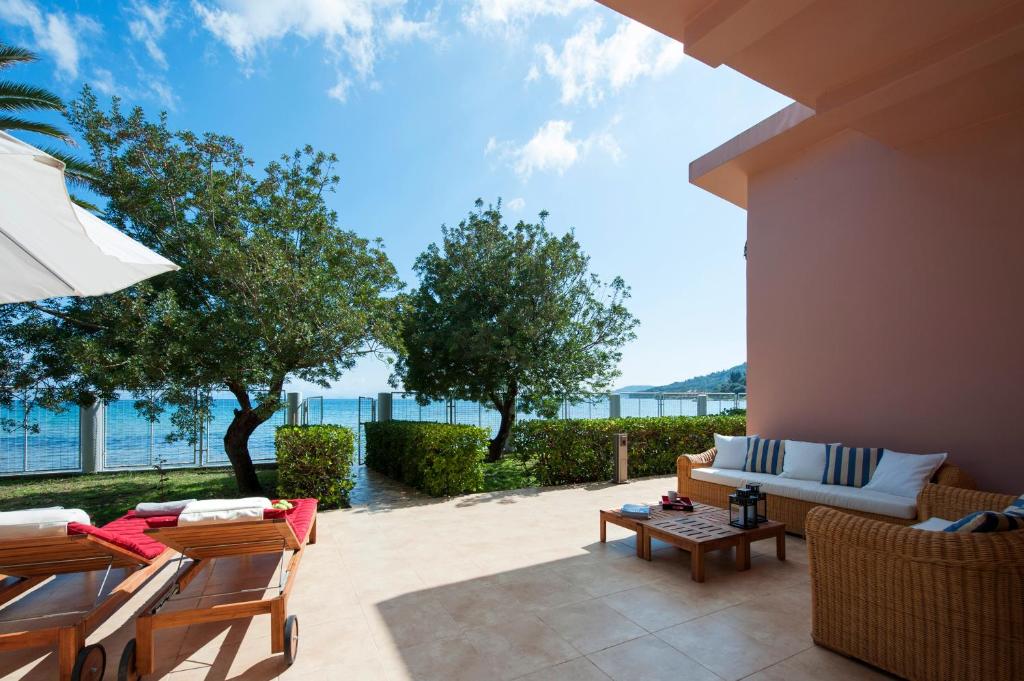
[792,512]
[933,606]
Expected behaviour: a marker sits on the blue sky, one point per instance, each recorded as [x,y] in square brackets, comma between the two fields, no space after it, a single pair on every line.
[561,105]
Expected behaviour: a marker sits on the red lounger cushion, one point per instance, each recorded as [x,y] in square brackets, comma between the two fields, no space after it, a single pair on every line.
[300,517]
[127,532]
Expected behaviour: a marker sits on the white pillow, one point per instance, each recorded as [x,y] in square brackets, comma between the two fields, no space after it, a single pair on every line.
[904,475]
[804,460]
[39,522]
[732,451]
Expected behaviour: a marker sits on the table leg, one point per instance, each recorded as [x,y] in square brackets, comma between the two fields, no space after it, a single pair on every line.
[643,543]
[780,546]
[604,530]
[697,564]
[743,554]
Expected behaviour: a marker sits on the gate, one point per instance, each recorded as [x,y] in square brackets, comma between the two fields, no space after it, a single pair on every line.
[366,413]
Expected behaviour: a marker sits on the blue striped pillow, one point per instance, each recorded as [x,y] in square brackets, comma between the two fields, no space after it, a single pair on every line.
[1016,508]
[850,466]
[764,456]
[987,521]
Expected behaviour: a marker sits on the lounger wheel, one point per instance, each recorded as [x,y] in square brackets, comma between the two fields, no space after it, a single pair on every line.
[126,669]
[90,663]
[291,639]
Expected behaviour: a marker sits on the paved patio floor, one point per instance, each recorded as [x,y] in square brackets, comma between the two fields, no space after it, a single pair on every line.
[510,585]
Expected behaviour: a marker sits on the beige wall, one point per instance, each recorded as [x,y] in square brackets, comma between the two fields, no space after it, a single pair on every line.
[886,298]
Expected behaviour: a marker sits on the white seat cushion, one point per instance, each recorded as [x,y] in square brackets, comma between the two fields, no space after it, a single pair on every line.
[727,476]
[843,496]
[904,474]
[934,524]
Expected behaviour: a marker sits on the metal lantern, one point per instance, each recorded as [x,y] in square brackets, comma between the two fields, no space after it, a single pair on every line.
[742,509]
[761,500]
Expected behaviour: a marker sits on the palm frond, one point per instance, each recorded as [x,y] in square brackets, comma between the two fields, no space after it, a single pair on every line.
[9,123]
[19,96]
[79,173]
[11,55]
[91,207]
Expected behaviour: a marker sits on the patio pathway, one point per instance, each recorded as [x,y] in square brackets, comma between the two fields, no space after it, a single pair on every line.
[499,586]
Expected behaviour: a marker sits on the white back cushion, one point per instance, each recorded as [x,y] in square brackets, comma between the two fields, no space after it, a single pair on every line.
[804,460]
[39,522]
[902,474]
[732,451]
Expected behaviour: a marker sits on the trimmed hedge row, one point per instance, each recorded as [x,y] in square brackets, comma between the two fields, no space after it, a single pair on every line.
[563,452]
[315,461]
[440,459]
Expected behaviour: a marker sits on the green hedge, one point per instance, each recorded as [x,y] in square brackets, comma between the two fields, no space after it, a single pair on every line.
[315,461]
[439,458]
[562,452]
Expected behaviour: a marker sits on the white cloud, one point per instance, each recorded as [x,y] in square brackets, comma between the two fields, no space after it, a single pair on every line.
[352,31]
[155,88]
[553,149]
[54,32]
[587,66]
[148,26]
[516,205]
[511,15]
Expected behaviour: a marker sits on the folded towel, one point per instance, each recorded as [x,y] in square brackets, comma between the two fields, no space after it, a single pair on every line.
[224,510]
[39,522]
[149,509]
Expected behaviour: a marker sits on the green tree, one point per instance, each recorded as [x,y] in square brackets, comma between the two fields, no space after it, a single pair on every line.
[269,288]
[510,314]
[18,98]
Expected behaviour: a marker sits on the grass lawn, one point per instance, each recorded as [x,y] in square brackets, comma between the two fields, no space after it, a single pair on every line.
[106,496]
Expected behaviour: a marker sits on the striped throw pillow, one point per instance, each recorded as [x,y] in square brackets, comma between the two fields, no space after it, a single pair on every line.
[987,521]
[850,466]
[1016,508]
[764,456]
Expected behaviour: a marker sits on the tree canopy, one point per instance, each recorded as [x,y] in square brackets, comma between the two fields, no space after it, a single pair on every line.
[510,315]
[270,288]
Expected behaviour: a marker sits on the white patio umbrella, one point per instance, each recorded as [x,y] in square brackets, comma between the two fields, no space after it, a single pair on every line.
[49,246]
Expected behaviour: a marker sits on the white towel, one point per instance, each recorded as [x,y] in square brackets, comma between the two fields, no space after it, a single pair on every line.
[224,510]
[39,522]
[149,509]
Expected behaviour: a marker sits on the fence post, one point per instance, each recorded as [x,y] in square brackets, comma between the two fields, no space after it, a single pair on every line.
[702,405]
[384,406]
[294,407]
[91,440]
[614,406]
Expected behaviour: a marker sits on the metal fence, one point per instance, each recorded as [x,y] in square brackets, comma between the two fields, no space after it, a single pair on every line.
[40,441]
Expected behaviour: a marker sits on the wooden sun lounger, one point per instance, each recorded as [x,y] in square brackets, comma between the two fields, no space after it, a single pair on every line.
[27,563]
[202,544]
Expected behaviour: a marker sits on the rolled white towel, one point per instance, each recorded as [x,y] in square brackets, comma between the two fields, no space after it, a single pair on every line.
[39,522]
[149,509]
[224,510]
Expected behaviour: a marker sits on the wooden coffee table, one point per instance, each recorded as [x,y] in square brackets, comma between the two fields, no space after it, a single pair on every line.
[706,528]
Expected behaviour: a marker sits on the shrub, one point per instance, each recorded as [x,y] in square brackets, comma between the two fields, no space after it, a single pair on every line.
[561,452]
[315,461]
[439,458]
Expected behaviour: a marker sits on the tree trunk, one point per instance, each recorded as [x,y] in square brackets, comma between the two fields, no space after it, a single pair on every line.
[236,444]
[508,418]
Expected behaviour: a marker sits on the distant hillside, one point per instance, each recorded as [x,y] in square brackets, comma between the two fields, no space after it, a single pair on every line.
[634,389]
[729,380]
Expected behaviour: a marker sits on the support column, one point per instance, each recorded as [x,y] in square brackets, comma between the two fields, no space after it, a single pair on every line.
[614,406]
[702,405]
[294,406]
[91,436]
[384,406]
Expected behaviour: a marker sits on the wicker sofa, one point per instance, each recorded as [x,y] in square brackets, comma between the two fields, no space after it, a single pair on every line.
[785,509]
[935,606]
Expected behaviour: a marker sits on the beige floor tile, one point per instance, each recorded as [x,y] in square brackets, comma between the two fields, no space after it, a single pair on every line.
[520,645]
[580,669]
[649,659]
[658,606]
[449,660]
[590,626]
[410,620]
[817,663]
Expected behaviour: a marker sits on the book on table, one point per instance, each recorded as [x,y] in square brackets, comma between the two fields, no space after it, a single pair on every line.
[638,511]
